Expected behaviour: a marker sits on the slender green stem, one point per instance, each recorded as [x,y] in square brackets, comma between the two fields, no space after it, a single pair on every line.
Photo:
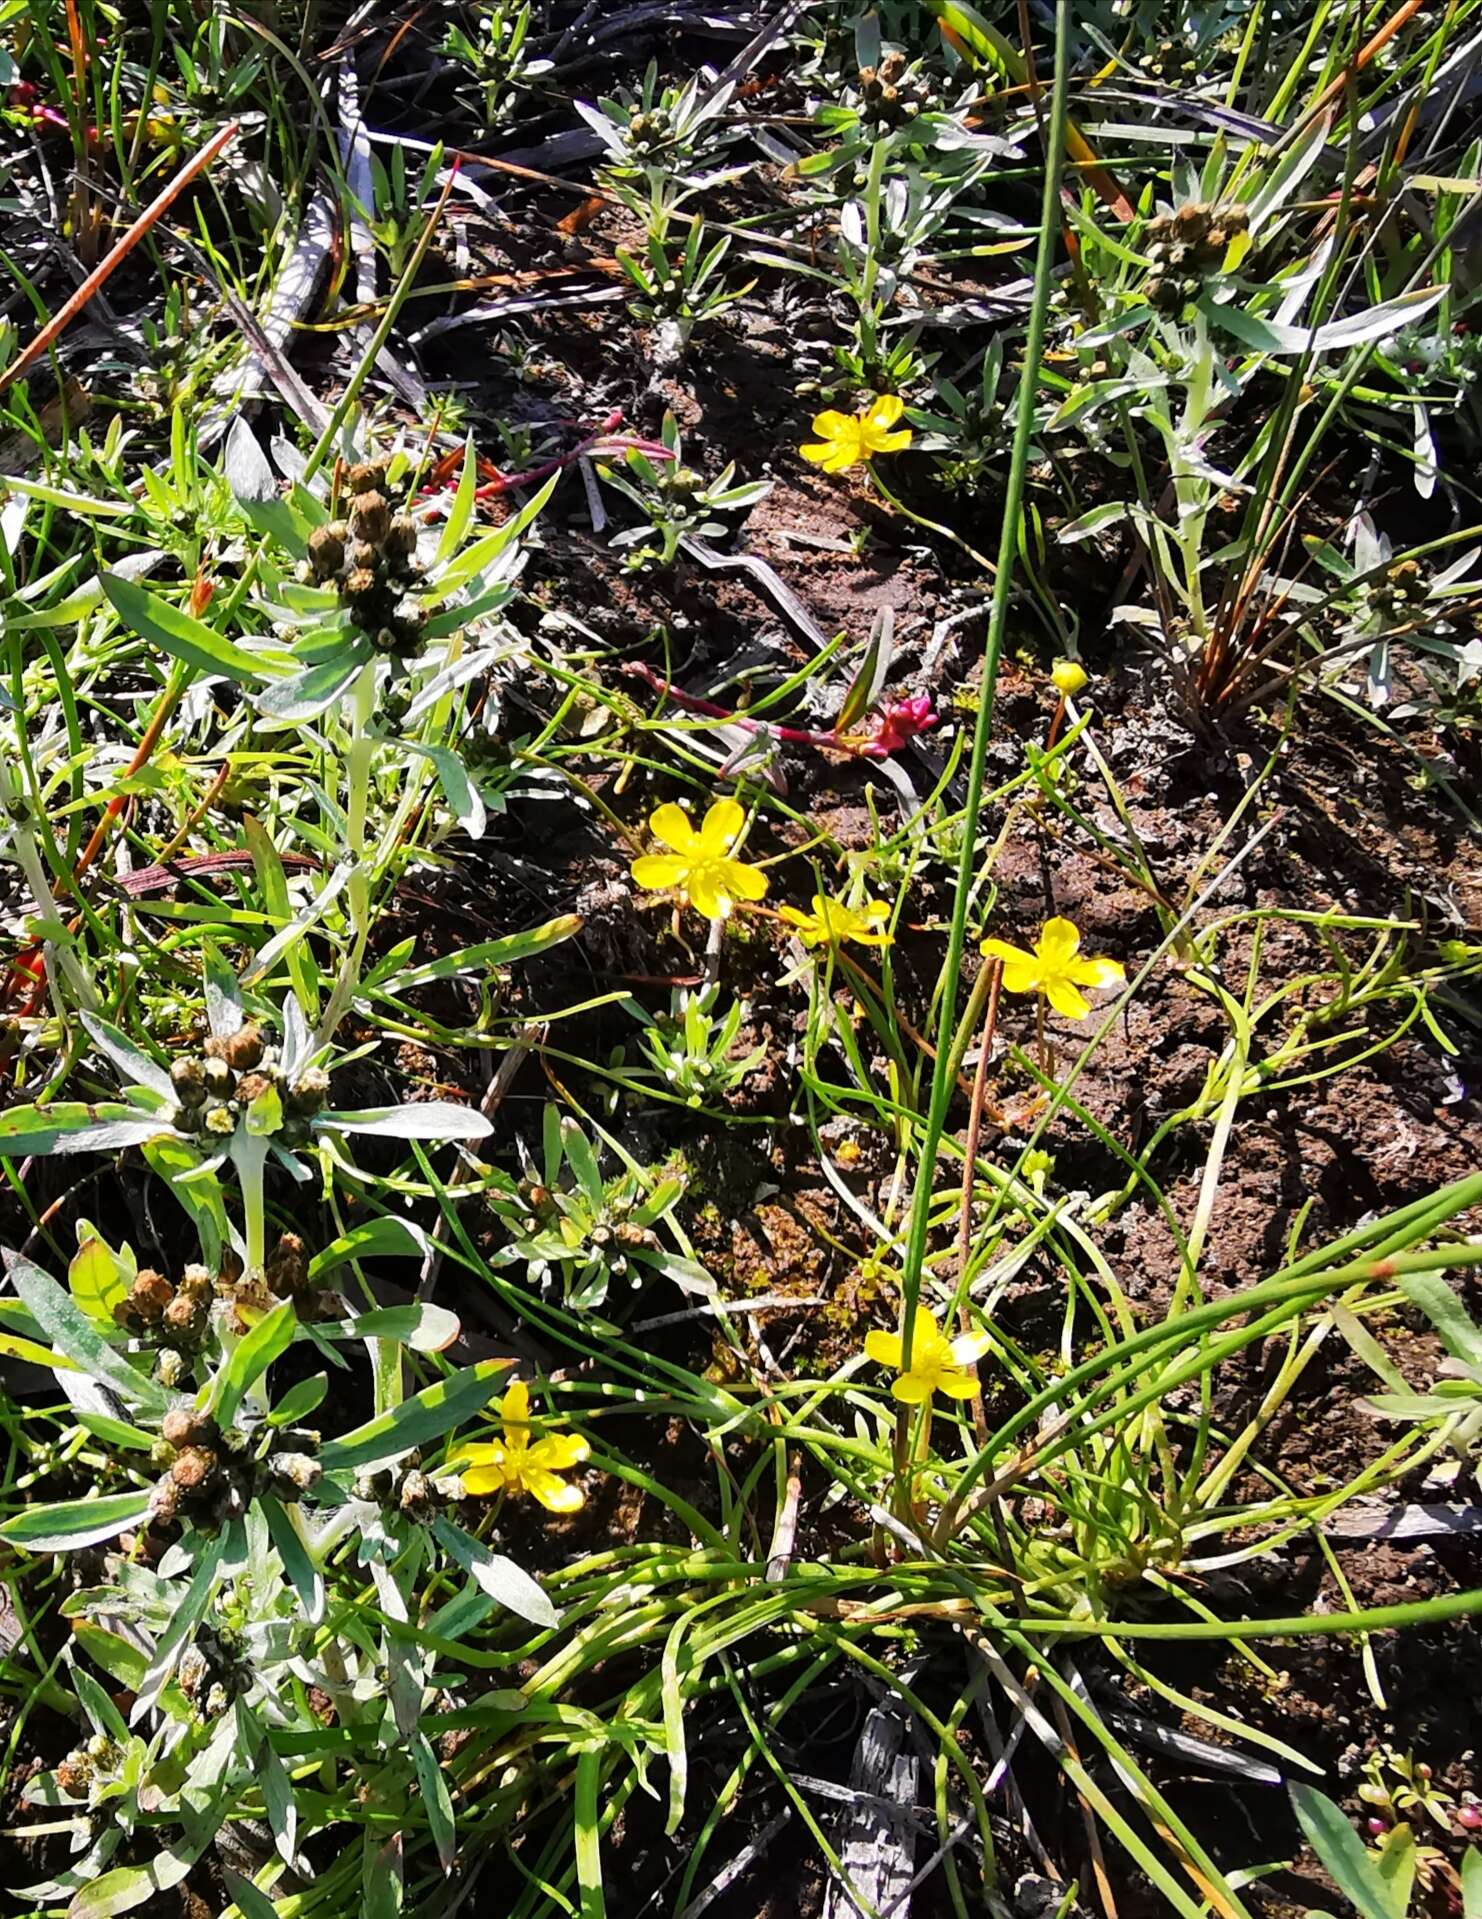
[941,1083]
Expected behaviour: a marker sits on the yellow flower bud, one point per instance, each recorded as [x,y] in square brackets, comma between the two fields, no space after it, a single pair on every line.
[1069,677]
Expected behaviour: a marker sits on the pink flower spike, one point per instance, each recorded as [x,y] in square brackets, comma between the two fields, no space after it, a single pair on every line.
[899,722]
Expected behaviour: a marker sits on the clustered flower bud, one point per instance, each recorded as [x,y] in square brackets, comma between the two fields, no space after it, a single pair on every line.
[212,1671]
[650,130]
[211,1476]
[1172,61]
[177,1316]
[1399,594]
[89,1767]
[371,558]
[232,1071]
[1186,247]
[287,1269]
[893,93]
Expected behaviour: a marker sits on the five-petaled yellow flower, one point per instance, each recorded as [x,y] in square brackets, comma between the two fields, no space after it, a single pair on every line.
[1055,968]
[700,865]
[847,440]
[938,1365]
[831,922]
[519,1464]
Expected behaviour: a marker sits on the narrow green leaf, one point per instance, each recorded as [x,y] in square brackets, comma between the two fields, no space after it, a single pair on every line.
[249,1899]
[250,1359]
[436,1801]
[299,1401]
[299,1568]
[179,633]
[172,1159]
[499,1577]
[480,959]
[384,1238]
[1471,1884]
[1443,1308]
[110,1651]
[1343,1854]
[74,1523]
[69,1328]
[588,1823]
[428,1415]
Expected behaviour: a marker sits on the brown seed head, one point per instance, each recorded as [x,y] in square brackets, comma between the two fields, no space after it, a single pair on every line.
[244,1049]
[150,1294]
[287,1269]
[401,537]
[193,1468]
[188,1077]
[164,1501]
[184,1426]
[367,477]
[327,550]
[370,518]
[252,1086]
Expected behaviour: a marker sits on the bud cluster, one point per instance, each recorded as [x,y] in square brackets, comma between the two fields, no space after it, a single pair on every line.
[176,1316]
[892,94]
[89,1767]
[212,1671]
[215,1088]
[649,132]
[1400,594]
[1186,247]
[371,560]
[210,1478]
[1174,62]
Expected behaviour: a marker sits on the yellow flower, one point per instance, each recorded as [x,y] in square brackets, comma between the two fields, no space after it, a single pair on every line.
[517,1464]
[846,440]
[938,1365]
[1054,968]
[831,922]
[700,865]
[1069,677]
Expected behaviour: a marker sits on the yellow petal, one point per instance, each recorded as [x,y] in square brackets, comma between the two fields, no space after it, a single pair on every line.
[884,1348]
[1059,942]
[721,826]
[808,929]
[482,1481]
[659,871]
[820,453]
[968,1348]
[959,1385]
[556,1495]
[833,425]
[926,1336]
[705,889]
[886,410]
[890,442]
[741,881]
[1010,955]
[1066,998]
[839,457]
[1098,972]
[672,826]
[514,1408]
[558,1452]
[474,1454]
[911,1389]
